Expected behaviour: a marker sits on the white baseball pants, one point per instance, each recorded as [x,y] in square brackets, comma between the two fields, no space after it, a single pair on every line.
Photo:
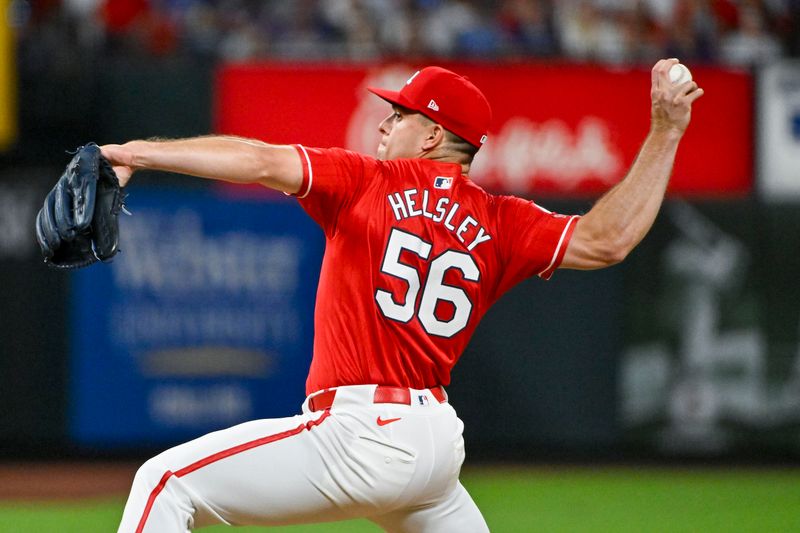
[394,464]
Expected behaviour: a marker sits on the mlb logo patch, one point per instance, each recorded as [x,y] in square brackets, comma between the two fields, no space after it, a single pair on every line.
[441,182]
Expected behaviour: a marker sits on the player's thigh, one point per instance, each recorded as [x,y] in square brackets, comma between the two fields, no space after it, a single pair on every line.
[454,513]
[260,472]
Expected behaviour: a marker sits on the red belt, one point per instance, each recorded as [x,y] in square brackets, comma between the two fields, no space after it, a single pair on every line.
[383,394]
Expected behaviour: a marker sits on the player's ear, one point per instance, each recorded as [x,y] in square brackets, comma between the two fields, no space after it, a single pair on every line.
[434,137]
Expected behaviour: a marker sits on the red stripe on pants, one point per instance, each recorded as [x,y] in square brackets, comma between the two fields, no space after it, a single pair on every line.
[221,455]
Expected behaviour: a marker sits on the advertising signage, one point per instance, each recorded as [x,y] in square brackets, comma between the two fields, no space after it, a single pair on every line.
[558,129]
[204,321]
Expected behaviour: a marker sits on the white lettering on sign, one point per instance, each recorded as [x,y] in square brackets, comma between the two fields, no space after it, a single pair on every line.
[156,324]
[524,151]
[181,405]
[173,252]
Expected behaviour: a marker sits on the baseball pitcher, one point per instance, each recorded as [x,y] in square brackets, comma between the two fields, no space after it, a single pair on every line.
[416,253]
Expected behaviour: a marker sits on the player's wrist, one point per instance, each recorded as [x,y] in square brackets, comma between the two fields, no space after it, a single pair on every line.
[667,132]
[137,154]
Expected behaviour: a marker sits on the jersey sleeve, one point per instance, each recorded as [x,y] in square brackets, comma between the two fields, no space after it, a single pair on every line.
[333,179]
[533,240]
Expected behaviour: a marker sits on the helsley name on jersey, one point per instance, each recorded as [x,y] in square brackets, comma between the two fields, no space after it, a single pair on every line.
[411,203]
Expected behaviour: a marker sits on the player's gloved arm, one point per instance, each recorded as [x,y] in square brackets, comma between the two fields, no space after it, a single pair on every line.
[624,215]
[232,159]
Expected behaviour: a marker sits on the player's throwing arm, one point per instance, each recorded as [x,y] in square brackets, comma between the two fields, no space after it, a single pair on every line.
[622,217]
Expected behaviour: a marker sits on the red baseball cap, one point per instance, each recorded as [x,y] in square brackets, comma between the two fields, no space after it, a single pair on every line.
[446,98]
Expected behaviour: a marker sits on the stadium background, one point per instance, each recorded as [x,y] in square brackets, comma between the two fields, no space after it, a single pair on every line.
[667,385]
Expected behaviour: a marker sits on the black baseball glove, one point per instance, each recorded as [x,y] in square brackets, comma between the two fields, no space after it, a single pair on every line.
[78,224]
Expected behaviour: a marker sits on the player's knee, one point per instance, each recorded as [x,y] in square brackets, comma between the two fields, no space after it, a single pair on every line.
[158,497]
[152,473]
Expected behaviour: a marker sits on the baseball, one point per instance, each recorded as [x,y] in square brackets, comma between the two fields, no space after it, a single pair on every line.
[679,74]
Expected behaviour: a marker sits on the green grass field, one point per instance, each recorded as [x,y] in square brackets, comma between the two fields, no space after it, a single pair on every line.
[538,499]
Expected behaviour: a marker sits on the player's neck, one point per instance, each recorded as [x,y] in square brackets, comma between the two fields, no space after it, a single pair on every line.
[448,158]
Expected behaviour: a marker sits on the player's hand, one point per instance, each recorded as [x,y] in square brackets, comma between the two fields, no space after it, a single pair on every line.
[671,104]
[121,160]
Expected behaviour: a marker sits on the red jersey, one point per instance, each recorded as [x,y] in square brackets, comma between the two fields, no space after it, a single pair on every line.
[415,254]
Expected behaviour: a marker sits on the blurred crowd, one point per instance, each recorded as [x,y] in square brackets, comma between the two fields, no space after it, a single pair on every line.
[735,32]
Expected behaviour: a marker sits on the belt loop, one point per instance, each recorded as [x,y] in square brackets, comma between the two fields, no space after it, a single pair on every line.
[440,394]
[322,400]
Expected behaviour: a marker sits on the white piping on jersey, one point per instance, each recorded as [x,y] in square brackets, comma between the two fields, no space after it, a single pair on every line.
[560,243]
[310,171]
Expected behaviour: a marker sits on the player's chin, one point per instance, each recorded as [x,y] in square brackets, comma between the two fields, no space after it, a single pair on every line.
[380,153]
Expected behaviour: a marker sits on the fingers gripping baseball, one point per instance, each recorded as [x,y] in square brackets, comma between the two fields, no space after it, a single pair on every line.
[671,103]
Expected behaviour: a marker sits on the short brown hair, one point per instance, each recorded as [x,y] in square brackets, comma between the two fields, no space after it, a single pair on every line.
[452,142]
[460,145]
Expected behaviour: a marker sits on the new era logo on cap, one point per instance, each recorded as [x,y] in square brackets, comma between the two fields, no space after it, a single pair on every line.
[441,182]
[433,105]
